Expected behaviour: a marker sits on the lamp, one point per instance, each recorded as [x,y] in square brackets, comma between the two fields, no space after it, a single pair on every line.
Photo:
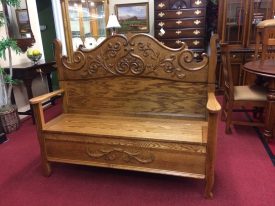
[113,24]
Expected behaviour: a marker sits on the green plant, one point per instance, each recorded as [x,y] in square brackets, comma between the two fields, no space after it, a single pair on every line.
[7,44]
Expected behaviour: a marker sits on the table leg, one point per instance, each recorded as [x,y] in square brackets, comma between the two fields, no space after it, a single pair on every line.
[270,114]
[28,84]
[49,79]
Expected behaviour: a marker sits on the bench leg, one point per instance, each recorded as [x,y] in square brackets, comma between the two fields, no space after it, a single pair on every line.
[47,169]
[209,187]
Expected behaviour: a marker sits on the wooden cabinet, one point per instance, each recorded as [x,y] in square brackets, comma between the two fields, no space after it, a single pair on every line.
[84,23]
[179,21]
[237,26]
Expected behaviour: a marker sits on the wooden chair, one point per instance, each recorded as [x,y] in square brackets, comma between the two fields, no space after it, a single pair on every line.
[265,39]
[238,96]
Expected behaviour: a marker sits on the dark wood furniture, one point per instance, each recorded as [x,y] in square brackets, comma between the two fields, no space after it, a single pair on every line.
[238,97]
[134,104]
[182,21]
[3,137]
[237,26]
[265,39]
[266,69]
[27,72]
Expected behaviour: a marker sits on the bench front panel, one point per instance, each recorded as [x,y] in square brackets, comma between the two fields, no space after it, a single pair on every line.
[172,158]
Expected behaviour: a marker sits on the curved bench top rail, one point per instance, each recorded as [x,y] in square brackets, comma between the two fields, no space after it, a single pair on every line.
[138,55]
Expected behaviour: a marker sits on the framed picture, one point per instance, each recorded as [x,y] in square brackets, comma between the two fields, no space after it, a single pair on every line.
[133,17]
[23,20]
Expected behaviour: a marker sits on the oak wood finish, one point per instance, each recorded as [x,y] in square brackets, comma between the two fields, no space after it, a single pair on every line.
[265,41]
[134,104]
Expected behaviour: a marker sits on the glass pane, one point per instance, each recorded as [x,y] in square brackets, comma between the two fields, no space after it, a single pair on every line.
[87,20]
[262,9]
[235,21]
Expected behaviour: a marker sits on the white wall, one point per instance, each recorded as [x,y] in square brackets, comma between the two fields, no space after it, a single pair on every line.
[39,87]
[151,9]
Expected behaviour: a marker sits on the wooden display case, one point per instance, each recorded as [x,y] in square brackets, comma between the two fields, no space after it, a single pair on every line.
[237,26]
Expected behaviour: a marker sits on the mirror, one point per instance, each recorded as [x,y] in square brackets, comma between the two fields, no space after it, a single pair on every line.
[18,23]
[84,22]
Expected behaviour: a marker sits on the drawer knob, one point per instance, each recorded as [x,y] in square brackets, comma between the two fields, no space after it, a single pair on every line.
[161,5]
[161,14]
[198,2]
[178,42]
[196,32]
[234,56]
[161,34]
[179,12]
[161,24]
[196,54]
[197,12]
[178,32]
[178,22]
[196,42]
[197,22]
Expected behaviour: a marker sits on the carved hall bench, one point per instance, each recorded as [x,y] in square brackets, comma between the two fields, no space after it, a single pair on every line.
[133,104]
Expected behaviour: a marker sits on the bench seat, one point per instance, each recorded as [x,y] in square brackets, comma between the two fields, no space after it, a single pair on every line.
[173,130]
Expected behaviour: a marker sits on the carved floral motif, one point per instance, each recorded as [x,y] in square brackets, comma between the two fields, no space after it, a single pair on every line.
[126,156]
[134,56]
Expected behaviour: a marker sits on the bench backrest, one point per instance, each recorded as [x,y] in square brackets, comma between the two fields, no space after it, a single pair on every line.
[135,75]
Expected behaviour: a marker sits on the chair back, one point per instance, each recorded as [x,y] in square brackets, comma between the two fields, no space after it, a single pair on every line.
[227,71]
[268,45]
[265,39]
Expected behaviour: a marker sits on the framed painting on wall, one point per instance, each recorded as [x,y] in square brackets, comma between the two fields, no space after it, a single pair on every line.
[23,20]
[133,17]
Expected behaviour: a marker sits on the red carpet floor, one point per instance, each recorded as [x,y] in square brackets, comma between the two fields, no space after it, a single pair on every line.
[244,176]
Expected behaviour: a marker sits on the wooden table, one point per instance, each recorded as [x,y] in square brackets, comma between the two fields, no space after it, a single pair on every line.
[266,69]
[27,72]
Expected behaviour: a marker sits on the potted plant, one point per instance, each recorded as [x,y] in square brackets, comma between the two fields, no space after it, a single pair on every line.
[9,119]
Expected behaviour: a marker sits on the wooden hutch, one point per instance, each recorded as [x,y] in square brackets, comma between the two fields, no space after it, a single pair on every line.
[237,26]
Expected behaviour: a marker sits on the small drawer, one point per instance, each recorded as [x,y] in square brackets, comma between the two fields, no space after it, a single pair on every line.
[192,43]
[162,5]
[178,14]
[251,57]
[180,33]
[198,3]
[180,23]
[236,57]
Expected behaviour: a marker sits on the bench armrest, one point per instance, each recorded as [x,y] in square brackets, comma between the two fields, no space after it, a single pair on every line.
[213,105]
[44,97]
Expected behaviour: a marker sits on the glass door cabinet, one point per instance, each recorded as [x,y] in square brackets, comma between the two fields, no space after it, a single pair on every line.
[84,23]
[237,22]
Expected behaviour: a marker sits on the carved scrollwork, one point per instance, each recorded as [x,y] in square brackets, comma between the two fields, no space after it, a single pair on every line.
[137,55]
[130,62]
[186,61]
[166,63]
[115,154]
[101,60]
[113,49]
[96,64]
[78,61]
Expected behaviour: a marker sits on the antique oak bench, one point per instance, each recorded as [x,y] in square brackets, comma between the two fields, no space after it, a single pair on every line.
[133,104]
